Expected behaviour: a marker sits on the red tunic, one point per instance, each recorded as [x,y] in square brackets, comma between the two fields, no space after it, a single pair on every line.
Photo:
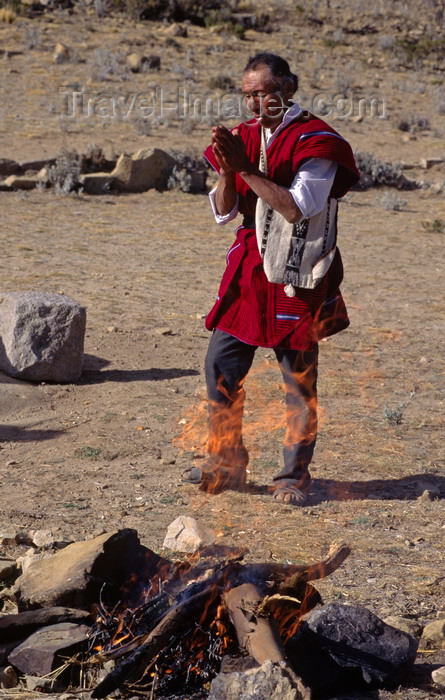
[250,307]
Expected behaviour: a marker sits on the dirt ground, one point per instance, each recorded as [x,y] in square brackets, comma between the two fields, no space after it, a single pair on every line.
[108,451]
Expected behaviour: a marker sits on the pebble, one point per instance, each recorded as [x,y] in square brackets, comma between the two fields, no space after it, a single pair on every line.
[405,624]
[438,676]
[43,539]
[435,632]
[7,537]
[8,677]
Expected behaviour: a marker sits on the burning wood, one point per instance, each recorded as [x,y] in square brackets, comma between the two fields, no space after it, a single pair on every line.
[176,639]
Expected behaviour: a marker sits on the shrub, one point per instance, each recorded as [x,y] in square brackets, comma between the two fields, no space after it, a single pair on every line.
[376,172]
[386,41]
[142,126]
[64,174]
[93,160]
[221,82]
[394,416]
[391,202]
[87,452]
[33,37]
[188,174]
[105,64]
[435,226]
[202,13]
[414,123]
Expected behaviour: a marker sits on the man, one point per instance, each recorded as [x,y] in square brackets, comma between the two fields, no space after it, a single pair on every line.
[287,167]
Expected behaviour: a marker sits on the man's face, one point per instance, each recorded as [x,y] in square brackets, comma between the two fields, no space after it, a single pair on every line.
[265,96]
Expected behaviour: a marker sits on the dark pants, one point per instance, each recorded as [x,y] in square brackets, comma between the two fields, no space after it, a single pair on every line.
[227,363]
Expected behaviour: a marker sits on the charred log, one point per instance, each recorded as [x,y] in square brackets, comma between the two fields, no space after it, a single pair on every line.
[257,634]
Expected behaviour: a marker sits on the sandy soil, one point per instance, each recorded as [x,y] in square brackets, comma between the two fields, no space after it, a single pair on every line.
[108,451]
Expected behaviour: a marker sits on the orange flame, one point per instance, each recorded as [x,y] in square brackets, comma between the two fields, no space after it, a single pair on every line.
[222,430]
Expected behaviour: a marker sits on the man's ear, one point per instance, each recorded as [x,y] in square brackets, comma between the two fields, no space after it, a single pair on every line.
[288,88]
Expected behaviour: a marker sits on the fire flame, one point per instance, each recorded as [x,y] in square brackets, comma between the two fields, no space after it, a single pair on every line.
[222,430]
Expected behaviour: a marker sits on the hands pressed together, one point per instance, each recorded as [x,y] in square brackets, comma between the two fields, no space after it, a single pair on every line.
[229,150]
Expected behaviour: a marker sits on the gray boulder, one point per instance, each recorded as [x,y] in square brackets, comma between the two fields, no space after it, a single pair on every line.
[351,644]
[41,336]
[46,649]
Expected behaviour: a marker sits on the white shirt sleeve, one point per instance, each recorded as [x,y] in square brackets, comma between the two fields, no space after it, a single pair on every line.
[222,219]
[309,189]
[312,184]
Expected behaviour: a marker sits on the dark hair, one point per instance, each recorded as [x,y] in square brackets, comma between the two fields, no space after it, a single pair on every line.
[278,66]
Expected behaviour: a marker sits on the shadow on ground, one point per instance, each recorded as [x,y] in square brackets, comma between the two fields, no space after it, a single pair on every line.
[408,488]
[405,489]
[94,372]
[134,375]
[16,433]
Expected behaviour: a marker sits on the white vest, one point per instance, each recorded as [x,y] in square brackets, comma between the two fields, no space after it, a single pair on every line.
[297,255]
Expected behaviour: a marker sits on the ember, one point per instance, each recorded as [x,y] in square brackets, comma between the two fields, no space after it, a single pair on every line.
[201,610]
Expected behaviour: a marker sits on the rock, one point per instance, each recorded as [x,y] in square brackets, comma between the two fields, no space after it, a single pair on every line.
[42,651]
[61,53]
[8,568]
[138,63]
[42,685]
[248,20]
[43,176]
[271,681]
[177,30]
[185,534]
[8,603]
[75,575]
[31,556]
[23,537]
[435,632]
[407,166]
[43,539]
[352,644]
[18,627]
[33,166]
[42,336]
[8,167]
[96,183]
[145,170]
[8,677]
[427,163]
[426,485]
[406,625]
[134,62]
[428,495]
[438,676]
[7,537]
[22,182]
[152,62]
